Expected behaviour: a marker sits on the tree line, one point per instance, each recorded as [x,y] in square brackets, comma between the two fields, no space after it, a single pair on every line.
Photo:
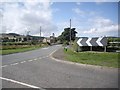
[67,34]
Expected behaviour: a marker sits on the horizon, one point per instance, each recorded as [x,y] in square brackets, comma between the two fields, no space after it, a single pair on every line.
[57,36]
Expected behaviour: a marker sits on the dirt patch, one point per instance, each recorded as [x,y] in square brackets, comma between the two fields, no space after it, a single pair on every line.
[59,54]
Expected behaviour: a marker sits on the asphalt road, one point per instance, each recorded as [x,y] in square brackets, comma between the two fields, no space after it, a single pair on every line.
[35,69]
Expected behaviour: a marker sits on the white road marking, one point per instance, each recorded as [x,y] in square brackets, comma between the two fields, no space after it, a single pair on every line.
[47,56]
[4,66]
[21,83]
[14,64]
[30,60]
[23,62]
[43,57]
[40,58]
[45,48]
[35,59]
[52,53]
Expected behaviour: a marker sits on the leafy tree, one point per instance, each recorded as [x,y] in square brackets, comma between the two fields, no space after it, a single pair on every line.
[65,36]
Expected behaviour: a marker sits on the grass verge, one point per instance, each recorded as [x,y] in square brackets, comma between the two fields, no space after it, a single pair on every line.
[93,58]
[17,50]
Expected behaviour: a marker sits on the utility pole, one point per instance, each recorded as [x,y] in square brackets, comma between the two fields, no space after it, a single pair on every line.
[40,31]
[28,35]
[40,35]
[70,31]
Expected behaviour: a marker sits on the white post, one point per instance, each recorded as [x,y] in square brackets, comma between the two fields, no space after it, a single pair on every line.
[105,49]
[90,48]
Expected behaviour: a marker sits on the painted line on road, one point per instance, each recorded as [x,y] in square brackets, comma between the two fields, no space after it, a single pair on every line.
[45,48]
[14,64]
[23,62]
[30,60]
[40,58]
[35,59]
[47,56]
[21,83]
[43,57]
[4,66]
[52,53]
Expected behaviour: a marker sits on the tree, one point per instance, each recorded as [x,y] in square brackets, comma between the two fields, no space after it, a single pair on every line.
[65,36]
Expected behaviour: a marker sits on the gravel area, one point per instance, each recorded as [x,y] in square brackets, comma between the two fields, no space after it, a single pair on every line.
[59,54]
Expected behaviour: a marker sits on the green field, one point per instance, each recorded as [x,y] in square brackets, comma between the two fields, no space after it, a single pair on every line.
[17,50]
[93,58]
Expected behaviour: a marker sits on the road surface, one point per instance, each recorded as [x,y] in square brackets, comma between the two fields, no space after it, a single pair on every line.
[35,69]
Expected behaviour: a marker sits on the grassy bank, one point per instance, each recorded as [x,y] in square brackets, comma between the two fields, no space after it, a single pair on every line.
[19,49]
[93,58]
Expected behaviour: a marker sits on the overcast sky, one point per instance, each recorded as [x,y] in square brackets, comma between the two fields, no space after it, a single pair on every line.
[90,19]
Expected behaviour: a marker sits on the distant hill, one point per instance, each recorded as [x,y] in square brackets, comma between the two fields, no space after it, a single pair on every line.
[14,34]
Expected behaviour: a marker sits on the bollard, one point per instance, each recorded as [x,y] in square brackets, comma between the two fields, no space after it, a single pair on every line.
[65,48]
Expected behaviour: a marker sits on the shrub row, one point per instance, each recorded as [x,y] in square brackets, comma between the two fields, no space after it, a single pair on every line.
[20,43]
[14,46]
[16,43]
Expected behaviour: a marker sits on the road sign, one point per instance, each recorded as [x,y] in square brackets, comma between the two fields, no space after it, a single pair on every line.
[101,41]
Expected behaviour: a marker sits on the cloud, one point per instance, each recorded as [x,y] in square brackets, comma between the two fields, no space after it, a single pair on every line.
[101,22]
[102,27]
[92,30]
[61,25]
[84,13]
[78,11]
[100,1]
[78,3]
[31,15]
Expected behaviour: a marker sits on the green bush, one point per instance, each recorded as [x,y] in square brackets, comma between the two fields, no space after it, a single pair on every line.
[66,43]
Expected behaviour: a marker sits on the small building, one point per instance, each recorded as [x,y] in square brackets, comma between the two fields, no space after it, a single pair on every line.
[50,39]
[45,40]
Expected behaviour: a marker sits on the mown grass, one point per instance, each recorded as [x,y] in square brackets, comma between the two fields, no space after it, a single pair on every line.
[93,58]
[17,50]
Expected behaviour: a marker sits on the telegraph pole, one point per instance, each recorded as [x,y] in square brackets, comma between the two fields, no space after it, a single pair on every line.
[28,35]
[40,31]
[70,31]
[40,35]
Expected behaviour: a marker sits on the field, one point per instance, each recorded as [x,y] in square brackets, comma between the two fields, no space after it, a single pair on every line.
[9,49]
[95,58]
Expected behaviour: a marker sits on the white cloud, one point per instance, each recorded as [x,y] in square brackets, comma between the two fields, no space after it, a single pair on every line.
[101,22]
[92,30]
[78,11]
[78,3]
[61,26]
[85,14]
[102,27]
[31,15]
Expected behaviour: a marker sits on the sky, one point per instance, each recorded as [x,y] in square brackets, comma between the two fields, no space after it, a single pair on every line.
[91,19]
